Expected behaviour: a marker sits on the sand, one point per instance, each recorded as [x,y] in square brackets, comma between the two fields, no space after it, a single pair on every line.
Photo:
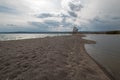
[50,58]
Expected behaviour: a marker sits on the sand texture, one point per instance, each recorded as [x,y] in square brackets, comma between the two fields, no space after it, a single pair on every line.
[50,58]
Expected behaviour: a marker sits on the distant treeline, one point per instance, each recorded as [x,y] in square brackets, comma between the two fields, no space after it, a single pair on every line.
[81,32]
[101,32]
[113,32]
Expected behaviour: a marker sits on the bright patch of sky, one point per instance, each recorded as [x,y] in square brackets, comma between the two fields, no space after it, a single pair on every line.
[59,15]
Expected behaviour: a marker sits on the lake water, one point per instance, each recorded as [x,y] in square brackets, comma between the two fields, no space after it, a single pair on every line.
[106,51]
[5,37]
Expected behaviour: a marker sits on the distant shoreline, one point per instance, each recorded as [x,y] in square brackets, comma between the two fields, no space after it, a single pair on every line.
[81,32]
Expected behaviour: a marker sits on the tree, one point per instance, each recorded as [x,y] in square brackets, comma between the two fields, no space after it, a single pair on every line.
[75,30]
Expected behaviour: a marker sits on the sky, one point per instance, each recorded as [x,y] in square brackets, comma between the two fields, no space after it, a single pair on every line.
[59,15]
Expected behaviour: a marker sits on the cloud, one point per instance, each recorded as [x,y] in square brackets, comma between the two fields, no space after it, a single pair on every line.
[73,14]
[15,28]
[4,9]
[75,5]
[93,8]
[116,18]
[100,16]
[98,24]
[23,11]
[46,25]
[73,9]
[98,20]
[46,15]
[66,23]
[49,15]
[52,25]
[52,15]
[42,20]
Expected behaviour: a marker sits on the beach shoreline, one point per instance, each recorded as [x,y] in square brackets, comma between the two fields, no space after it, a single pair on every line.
[50,58]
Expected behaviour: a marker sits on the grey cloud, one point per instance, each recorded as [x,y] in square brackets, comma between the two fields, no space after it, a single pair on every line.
[64,16]
[11,25]
[98,24]
[75,7]
[45,24]
[39,24]
[98,20]
[74,10]
[116,18]
[73,14]
[51,23]
[45,15]
[66,24]
[15,28]
[5,9]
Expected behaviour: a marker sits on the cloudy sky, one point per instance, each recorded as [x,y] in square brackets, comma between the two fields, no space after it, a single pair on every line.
[59,15]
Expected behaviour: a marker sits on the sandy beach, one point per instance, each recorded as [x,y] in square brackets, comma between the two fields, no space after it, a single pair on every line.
[50,58]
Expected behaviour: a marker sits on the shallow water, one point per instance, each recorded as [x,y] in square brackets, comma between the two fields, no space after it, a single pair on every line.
[5,37]
[106,51]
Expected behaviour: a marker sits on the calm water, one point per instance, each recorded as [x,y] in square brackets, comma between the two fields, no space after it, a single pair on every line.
[106,51]
[5,37]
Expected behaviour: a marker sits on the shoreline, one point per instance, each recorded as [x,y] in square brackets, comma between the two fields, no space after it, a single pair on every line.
[101,67]
[49,58]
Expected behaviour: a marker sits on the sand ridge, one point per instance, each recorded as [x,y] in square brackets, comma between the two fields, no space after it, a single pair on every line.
[50,58]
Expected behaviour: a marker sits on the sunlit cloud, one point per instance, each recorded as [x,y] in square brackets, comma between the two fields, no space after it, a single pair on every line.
[59,15]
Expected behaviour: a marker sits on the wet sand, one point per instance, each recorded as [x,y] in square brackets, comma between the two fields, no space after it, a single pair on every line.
[50,58]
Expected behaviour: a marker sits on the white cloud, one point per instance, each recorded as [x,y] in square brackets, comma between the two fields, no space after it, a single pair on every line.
[24,11]
[100,8]
[88,14]
[32,6]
